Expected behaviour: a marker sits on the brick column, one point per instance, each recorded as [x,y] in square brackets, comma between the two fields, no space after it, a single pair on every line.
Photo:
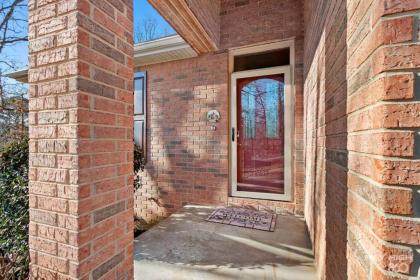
[383,178]
[81,197]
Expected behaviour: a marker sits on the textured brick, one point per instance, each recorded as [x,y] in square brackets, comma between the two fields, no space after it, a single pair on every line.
[52,56]
[52,233]
[56,87]
[108,158]
[95,28]
[42,73]
[52,204]
[52,175]
[107,22]
[95,88]
[109,106]
[42,217]
[108,132]
[52,146]
[66,6]
[104,6]
[106,212]
[398,230]
[389,199]
[42,14]
[108,185]
[388,7]
[68,69]
[385,88]
[95,58]
[42,132]
[108,78]
[41,44]
[46,189]
[107,266]
[54,117]
[42,103]
[51,26]
[396,58]
[108,51]
[53,263]
[67,37]
[388,144]
[42,160]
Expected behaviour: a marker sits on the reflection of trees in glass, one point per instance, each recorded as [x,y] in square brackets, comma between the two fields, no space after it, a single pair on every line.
[248,110]
[262,103]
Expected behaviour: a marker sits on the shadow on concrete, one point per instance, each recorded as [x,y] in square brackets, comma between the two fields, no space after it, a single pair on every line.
[185,246]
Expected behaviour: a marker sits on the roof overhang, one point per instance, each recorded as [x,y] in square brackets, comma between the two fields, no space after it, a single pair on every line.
[157,51]
[162,50]
[20,75]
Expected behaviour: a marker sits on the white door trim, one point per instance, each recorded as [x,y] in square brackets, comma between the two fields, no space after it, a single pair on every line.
[288,136]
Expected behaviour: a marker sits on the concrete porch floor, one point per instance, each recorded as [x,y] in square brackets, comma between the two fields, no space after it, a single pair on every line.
[184,246]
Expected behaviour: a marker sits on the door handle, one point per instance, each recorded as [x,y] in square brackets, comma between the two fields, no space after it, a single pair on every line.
[233,134]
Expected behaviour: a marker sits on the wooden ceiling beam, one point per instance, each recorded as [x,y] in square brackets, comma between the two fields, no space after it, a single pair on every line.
[187,25]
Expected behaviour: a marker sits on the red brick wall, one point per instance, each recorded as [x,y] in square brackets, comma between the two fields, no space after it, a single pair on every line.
[325,134]
[81,197]
[187,162]
[383,117]
[361,118]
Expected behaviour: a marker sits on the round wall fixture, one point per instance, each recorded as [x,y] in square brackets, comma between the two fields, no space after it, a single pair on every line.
[213,116]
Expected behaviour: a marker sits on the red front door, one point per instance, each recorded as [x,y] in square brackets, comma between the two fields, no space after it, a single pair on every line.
[260,141]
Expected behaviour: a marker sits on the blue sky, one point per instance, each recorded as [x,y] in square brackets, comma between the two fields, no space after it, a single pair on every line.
[17,53]
[142,10]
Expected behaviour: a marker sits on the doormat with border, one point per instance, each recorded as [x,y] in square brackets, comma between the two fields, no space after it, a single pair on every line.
[242,217]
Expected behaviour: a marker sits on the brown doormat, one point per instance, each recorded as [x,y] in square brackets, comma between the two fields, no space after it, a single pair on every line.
[243,218]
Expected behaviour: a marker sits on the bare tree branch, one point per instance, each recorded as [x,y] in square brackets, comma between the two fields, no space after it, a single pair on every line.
[12,21]
[148,29]
[13,95]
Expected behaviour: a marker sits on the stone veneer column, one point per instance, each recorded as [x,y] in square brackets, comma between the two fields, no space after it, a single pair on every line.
[81,196]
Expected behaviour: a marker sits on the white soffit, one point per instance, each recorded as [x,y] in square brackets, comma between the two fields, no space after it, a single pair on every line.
[157,51]
[162,50]
[20,75]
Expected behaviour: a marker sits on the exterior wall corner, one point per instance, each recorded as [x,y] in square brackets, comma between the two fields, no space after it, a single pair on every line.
[80,181]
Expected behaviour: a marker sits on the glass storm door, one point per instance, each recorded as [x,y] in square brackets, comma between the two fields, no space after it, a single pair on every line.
[261,134]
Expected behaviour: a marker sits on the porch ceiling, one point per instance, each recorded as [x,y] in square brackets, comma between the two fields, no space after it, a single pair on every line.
[179,14]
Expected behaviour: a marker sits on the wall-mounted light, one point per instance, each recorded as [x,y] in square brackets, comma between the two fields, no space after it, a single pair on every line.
[213,116]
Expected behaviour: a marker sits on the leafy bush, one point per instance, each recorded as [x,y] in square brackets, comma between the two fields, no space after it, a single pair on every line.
[139,162]
[14,210]
[140,225]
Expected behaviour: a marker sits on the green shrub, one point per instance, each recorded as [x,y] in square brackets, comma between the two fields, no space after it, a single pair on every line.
[139,162]
[14,210]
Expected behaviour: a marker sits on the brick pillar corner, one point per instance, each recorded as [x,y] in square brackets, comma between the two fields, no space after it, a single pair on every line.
[80,126]
[383,121]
